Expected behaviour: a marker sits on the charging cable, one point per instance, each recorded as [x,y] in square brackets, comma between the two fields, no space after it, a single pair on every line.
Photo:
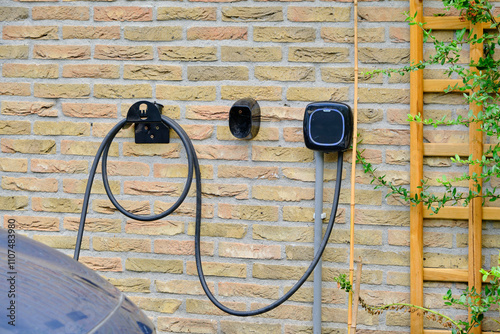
[193,166]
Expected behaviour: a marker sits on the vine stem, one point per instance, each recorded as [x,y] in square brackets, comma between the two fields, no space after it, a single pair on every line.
[385,307]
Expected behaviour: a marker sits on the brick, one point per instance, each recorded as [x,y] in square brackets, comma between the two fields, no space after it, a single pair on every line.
[130,284]
[28,108]
[238,191]
[248,14]
[137,150]
[13,202]
[28,223]
[156,304]
[250,54]
[281,193]
[248,212]
[277,272]
[13,13]
[267,93]
[77,13]
[102,263]
[277,233]
[13,165]
[207,112]
[91,71]
[187,325]
[120,52]
[28,146]
[61,52]
[385,136]
[217,73]
[197,132]
[14,51]
[238,327]
[227,171]
[384,95]
[267,134]
[159,33]
[152,188]
[230,289]
[187,53]
[372,256]
[186,209]
[186,93]
[15,88]
[444,98]
[282,73]
[382,14]
[346,35]
[52,91]
[106,91]
[182,247]
[180,170]
[61,241]
[218,269]
[371,55]
[67,205]
[154,265]
[329,296]
[302,214]
[431,239]
[205,307]
[72,186]
[308,174]
[29,184]
[346,75]
[93,224]
[382,217]
[318,54]
[15,127]
[183,287]
[103,244]
[220,152]
[441,260]
[249,251]
[30,32]
[183,13]
[86,32]
[163,227]
[438,136]
[319,14]
[89,110]
[340,315]
[59,166]
[137,207]
[70,147]
[317,94]
[61,128]
[123,14]
[276,114]
[236,231]
[284,34]
[152,72]
[305,253]
[217,33]
[282,154]
[49,71]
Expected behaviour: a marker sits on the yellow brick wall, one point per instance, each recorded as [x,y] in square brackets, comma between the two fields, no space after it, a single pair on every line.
[70,71]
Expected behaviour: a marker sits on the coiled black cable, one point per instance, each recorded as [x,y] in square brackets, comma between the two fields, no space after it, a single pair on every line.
[193,165]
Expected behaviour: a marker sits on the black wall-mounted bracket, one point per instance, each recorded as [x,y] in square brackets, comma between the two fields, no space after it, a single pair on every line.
[149,128]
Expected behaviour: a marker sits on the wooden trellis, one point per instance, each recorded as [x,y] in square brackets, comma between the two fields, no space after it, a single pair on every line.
[475,213]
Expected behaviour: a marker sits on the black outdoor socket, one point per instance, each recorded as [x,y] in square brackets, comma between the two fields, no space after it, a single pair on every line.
[149,128]
[244,118]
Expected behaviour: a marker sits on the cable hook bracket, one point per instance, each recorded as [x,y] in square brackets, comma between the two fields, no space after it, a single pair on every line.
[149,128]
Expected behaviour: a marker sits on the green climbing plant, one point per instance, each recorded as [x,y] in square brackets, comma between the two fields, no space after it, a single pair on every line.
[480,85]
[478,302]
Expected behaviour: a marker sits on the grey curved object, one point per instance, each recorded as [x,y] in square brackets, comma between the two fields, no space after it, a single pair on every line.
[55,294]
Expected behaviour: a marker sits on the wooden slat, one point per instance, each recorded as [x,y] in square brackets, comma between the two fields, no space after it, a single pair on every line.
[439,85]
[489,213]
[449,150]
[416,170]
[445,275]
[448,23]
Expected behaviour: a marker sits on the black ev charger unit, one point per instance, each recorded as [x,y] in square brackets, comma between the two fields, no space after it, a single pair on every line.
[328,126]
[194,168]
[244,118]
